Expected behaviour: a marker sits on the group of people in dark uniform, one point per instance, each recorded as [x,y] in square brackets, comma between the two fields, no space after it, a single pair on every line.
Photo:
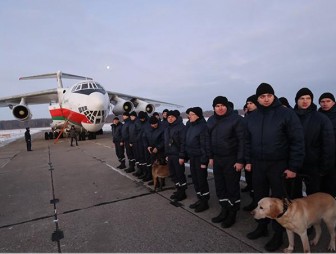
[283,151]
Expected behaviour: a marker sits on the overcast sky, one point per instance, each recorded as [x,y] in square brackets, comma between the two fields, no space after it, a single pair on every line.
[181,51]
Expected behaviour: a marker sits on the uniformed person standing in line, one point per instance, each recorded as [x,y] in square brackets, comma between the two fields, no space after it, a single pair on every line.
[154,144]
[251,106]
[274,148]
[197,149]
[141,126]
[125,140]
[117,138]
[174,138]
[328,108]
[226,130]
[133,132]
[319,144]
[28,139]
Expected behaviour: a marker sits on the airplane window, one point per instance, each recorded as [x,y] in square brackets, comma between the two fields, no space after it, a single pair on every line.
[97,120]
[99,113]
[84,86]
[94,113]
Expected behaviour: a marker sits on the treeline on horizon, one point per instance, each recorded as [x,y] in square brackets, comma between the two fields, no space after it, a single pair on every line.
[45,122]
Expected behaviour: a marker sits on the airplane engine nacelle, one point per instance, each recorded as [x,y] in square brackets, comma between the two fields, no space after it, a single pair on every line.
[121,106]
[143,106]
[21,112]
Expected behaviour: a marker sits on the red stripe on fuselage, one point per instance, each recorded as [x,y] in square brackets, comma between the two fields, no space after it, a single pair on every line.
[70,115]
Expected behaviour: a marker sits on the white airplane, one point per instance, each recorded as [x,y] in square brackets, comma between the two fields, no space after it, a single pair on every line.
[86,104]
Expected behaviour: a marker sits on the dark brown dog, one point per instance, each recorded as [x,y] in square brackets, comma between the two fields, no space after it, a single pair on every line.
[159,173]
[299,214]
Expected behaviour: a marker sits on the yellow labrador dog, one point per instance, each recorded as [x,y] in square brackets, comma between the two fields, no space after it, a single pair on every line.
[299,214]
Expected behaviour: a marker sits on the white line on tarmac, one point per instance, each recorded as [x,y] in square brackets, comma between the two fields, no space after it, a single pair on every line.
[122,173]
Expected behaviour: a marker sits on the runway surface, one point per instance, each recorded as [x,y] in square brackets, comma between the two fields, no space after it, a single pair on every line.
[103,209]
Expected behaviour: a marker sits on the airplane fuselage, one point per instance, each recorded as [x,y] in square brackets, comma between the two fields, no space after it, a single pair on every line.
[86,104]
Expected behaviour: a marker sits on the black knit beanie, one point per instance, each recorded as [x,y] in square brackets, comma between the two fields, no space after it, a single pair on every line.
[220,100]
[302,92]
[253,98]
[197,110]
[153,120]
[264,88]
[327,95]
[142,114]
[133,113]
[173,113]
[284,102]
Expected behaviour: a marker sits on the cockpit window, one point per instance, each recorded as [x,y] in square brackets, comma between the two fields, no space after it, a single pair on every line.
[88,87]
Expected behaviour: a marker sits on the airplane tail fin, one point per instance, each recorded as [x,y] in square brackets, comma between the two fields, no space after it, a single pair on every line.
[58,75]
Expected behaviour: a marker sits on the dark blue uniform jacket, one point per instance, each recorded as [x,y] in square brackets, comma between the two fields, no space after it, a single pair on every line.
[116,132]
[197,140]
[227,135]
[275,133]
[174,138]
[319,140]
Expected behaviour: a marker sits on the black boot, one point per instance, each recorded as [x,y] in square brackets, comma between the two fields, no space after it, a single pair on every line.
[222,215]
[202,206]
[143,175]
[138,171]
[131,167]
[181,195]
[122,165]
[194,205]
[260,231]
[231,217]
[275,242]
[174,195]
[148,176]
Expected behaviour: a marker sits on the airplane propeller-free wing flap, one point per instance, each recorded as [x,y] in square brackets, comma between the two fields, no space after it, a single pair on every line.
[41,97]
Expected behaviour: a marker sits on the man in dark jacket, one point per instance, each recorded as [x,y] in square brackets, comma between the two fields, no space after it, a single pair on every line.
[141,126]
[164,122]
[154,145]
[328,108]
[197,149]
[28,139]
[174,138]
[133,133]
[251,105]
[274,148]
[226,129]
[126,139]
[73,135]
[319,144]
[116,139]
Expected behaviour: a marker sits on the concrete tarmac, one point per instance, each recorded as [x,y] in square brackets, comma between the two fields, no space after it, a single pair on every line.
[103,209]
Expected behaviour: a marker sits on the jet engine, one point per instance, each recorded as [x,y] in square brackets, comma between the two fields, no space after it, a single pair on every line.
[121,106]
[21,112]
[143,106]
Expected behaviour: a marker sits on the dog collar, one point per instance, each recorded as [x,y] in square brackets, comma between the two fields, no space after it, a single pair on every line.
[286,204]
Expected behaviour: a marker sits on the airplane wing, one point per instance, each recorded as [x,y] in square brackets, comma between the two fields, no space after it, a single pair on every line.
[41,97]
[132,98]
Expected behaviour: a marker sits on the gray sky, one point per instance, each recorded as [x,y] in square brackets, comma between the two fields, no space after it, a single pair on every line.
[181,51]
